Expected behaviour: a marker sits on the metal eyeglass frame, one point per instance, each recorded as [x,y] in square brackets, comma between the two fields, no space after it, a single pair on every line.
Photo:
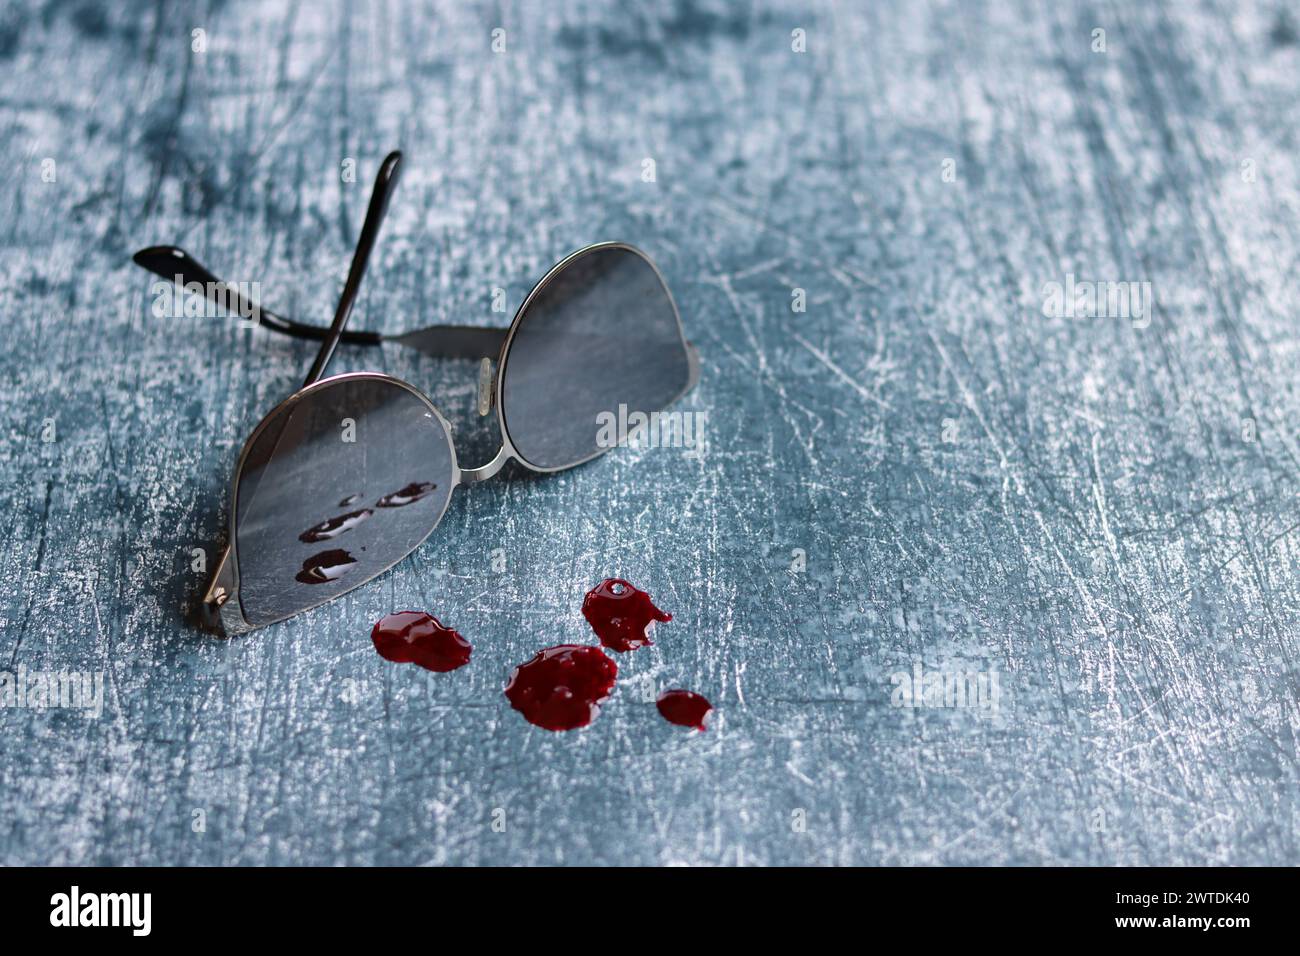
[226,616]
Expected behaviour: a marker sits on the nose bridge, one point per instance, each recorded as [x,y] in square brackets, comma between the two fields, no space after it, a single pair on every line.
[469,476]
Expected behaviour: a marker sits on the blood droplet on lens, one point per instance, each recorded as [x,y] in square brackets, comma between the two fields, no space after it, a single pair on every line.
[333,527]
[414,637]
[325,567]
[408,495]
[563,687]
[684,707]
[620,613]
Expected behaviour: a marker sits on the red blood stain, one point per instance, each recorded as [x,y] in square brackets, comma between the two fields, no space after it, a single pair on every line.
[684,707]
[620,613]
[413,637]
[563,687]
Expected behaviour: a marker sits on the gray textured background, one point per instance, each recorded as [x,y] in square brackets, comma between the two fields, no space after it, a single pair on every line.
[974,483]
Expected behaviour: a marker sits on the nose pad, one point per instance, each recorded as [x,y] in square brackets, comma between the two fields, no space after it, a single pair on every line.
[486,389]
[486,400]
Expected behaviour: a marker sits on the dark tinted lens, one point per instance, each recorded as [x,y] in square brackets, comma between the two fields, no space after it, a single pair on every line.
[336,488]
[601,332]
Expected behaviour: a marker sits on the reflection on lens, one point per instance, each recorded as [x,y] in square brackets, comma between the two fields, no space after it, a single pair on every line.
[599,333]
[355,440]
[325,567]
[409,495]
[334,527]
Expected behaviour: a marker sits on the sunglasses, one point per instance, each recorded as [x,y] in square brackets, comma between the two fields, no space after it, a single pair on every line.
[351,473]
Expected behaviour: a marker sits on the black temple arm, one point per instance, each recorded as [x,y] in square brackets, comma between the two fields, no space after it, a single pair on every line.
[438,341]
[173,263]
[385,182]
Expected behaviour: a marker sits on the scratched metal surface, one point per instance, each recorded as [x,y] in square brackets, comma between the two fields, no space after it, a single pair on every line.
[1102,511]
